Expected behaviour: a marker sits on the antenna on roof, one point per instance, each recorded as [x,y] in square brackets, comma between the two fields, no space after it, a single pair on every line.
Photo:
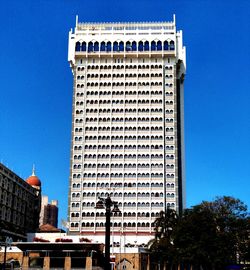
[174,19]
[33,170]
[76,20]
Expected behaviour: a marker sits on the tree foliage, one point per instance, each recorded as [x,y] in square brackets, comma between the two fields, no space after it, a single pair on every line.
[161,246]
[210,235]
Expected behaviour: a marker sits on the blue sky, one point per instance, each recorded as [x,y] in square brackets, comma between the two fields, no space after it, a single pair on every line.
[36,88]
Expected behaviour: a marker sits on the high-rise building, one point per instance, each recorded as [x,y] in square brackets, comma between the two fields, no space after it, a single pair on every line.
[49,212]
[127,125]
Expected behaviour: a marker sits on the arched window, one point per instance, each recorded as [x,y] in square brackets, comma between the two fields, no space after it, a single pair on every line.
[84,46]
[102,49]
[90,47]
[146,46]
[159,46]
[96,46]
[165,45]
[153,46]
[140,46]
[133,46]
[108,47]
[115,46]
[128,46]
[171,45]
[78,46]
[121,46]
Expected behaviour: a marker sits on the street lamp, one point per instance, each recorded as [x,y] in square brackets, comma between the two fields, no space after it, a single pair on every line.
[7,243]
[107,204]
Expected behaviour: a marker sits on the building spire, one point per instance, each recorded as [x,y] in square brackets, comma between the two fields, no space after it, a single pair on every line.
[33,170]
[76,20]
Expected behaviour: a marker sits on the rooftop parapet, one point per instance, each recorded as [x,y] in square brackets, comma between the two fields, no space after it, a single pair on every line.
[124,26]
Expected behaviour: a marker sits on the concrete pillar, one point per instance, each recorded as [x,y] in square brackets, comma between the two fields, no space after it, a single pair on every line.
[46,263]
[25,265]
[88,265]
[67,263]
[148,263]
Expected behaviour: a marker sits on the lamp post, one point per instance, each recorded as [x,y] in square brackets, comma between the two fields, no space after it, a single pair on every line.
[7,243]
[107,204]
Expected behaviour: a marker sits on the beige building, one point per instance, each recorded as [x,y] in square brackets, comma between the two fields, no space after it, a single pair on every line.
[61,255]
[51,248]
[127,126]
[70,255]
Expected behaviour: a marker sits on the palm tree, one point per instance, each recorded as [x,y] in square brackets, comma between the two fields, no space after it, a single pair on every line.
[161,247]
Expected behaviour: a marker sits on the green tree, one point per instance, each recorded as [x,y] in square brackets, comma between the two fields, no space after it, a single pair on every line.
[213,234]
[209,236]
[161,247]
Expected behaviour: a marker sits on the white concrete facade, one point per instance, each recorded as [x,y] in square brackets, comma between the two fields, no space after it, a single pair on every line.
[127,126]
[44,202]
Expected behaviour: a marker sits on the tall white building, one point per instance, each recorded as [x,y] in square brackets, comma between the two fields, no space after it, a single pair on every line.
[127,127]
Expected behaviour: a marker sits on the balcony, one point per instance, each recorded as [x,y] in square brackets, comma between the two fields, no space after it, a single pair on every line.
[166,53]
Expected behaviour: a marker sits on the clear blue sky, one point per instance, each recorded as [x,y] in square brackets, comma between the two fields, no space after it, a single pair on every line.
[36,88]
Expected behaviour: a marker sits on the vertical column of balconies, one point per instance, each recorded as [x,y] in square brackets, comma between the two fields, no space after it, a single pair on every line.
[137,152]
[150,134]
[90,131]
[170,135]
[149,124]
[70,206]
[157,191]
[101,133]
[149,152]
[134,115]
[97,150]
[73,219]
[176,185]
[111,125]
[137,143]
[158,198]
[83,135]
[145,114]
[96,134]
[123,133]
[164,134]
[138,125]
[79,81]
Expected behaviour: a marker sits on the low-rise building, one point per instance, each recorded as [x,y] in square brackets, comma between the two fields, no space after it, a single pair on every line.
[20,202]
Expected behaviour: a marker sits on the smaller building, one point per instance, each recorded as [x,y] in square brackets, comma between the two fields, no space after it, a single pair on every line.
[51,248]
[122,257]
[20,203]
[61,255]
[49,212]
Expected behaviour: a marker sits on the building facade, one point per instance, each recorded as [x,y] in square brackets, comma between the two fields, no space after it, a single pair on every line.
[127,125]
[59,255]
[19,204]
[49,212]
